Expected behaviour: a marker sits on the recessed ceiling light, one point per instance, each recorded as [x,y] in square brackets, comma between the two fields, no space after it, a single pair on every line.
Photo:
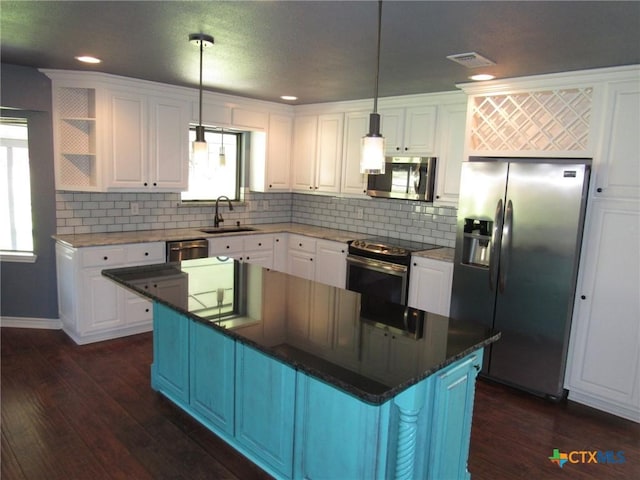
[88,59]
[482,76]
[288,97]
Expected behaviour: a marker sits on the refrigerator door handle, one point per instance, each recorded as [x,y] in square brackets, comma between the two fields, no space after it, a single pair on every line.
[496,238]
[505,247]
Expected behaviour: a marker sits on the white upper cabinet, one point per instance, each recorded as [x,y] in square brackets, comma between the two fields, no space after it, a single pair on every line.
[317,153]
[356,126]
[409,131]
[329,155]
[148,139]
[305,134]
[451,130]
[271,156]
[618,165]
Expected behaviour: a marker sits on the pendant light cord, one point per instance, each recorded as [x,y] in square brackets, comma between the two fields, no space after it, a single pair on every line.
[201,47]
[375,97]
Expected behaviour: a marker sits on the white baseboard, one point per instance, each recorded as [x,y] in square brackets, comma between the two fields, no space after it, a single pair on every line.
[29,322]
[605,406]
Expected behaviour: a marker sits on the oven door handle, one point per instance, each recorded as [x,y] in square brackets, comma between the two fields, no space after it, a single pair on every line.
[378,265]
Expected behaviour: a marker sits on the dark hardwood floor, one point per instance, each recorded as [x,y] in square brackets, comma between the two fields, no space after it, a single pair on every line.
[88,413]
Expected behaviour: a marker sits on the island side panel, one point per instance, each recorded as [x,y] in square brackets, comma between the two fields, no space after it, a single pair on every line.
[265,406]
[338,435]
[170,368]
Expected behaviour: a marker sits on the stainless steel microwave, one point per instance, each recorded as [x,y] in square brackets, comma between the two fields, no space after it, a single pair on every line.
[409,178]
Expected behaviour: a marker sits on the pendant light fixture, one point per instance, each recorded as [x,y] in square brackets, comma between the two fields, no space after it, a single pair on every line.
[199,147]
[372,152]
[222,158]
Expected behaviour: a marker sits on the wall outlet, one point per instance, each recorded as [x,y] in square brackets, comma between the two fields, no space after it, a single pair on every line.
[359,213]
[135,209]
[265,205]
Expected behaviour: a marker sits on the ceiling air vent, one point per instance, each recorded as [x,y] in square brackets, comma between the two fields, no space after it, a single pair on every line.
[471,60]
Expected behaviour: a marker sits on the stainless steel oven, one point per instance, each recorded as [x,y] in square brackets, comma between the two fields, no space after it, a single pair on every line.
[385,280]
[379,269]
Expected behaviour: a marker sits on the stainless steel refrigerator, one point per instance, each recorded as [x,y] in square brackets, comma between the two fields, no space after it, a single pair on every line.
[518,239]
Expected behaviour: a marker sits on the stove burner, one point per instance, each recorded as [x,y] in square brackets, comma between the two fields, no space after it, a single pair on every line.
[390,249]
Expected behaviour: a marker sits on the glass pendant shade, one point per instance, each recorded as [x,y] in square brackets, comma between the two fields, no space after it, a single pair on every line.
[222,158]
[372,155]
[372,148]
[199,147]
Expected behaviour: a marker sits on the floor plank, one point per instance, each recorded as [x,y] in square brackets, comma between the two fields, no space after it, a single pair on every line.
[82,412]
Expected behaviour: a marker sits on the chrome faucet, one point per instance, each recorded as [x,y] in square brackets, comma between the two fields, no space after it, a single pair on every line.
[217,219]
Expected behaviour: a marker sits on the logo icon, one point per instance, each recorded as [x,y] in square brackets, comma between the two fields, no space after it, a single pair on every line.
[559,458]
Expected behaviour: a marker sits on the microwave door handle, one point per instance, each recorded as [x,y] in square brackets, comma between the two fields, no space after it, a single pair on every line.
[505,247]
[496,238]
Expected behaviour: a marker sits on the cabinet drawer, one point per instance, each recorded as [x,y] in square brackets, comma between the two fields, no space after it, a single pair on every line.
[225,245]
[145,253]
[255,243]
[302,243]
[102,256]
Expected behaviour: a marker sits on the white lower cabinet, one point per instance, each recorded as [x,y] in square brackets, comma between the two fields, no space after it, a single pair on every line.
[604,358]
[92,307]
[258,249]
[302,253]
[430,285]
[331,263]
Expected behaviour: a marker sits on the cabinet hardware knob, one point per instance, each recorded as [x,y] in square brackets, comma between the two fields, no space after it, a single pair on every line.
[155,285]
[477,367]
[146,254]
[583,297]
[299,244]
[599,190]
[311,259]
[415,264]
[105,258]
[437,196]
[227,246]
[277,240]
[146,310]
[397,149]
[155,184]
[393,337]
[310,187]
[259,244]
[145,184]
[270,186]
[405,149]
[316,188]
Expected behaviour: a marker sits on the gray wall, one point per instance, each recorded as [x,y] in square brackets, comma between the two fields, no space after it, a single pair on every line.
[29,289]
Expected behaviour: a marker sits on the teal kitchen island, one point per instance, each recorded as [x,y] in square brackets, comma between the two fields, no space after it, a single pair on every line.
[294,376]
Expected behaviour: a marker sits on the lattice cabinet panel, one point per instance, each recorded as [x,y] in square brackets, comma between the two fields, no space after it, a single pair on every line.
[552,120]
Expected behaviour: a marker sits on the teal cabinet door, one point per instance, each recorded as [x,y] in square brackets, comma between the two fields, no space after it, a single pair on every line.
[265,401]
[454,390]
[212,377]
[170,368]
[337,436]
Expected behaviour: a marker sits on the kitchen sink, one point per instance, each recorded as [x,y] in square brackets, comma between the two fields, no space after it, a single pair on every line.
[226,229]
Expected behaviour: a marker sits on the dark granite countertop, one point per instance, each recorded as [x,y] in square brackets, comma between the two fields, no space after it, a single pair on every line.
[318,329]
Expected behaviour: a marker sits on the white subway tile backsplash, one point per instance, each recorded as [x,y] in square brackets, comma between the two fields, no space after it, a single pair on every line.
[111,212]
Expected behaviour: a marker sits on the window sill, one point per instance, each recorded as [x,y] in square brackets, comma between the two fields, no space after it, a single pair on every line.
[17,257]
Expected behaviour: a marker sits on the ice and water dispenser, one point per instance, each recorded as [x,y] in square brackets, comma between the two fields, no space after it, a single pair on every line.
[477,242]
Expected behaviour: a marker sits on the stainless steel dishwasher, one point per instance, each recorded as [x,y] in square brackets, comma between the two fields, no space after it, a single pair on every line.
[187,249]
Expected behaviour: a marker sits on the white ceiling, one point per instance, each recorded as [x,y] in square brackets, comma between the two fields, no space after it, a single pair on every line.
[320,51]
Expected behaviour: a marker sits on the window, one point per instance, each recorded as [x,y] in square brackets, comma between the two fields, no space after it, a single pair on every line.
[211,177]
[16,229]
